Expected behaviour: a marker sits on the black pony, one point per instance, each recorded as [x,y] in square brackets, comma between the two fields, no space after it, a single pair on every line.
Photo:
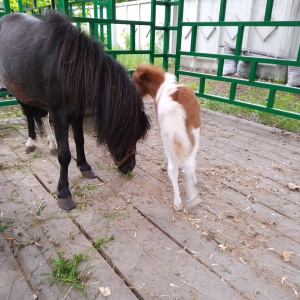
[49,64]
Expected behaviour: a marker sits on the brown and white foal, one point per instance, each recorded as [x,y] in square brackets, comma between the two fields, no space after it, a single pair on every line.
[179,120]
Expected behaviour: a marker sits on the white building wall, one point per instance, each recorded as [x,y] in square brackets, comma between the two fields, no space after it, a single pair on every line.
[274,40]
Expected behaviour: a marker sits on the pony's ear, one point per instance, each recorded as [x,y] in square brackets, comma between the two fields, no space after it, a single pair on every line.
[142,76]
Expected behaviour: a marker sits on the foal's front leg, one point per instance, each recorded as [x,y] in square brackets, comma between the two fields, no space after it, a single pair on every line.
[61,129]
[82,164]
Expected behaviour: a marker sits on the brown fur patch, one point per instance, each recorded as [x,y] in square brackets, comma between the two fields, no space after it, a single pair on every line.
[148,78]
[186,97]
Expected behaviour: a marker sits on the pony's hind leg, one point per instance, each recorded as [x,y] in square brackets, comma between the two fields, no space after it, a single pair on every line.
[84,167]
[28,112]
[50,136]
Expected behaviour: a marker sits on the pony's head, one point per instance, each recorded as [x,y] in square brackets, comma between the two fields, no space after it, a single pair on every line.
[124,154]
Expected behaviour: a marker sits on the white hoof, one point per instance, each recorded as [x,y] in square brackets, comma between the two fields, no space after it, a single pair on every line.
[191,204]
[178,207]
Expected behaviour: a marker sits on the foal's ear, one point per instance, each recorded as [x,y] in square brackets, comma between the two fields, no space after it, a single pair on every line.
[143,76]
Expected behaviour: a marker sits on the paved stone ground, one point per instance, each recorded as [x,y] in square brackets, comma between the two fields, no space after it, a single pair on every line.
[242,242]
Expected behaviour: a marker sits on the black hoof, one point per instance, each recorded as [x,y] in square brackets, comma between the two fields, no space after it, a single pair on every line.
[66,204]
[29,149]
[88,174]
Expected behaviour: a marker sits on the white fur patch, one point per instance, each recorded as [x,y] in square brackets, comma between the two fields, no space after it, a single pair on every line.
[30,143]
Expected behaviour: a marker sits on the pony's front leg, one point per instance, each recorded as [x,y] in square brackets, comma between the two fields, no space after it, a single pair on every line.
[61,129]
[84,167]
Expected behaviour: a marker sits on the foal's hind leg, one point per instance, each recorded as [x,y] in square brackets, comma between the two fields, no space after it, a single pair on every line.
[191,183]
[84,167]
[50,136]
[172,167]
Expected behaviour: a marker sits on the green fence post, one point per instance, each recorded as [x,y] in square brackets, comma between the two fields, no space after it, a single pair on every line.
[6,6]
[166,40]
[179,37]
[63,6]
[222,10]
[20,4]
[152,30]
[111,14]
[268,11]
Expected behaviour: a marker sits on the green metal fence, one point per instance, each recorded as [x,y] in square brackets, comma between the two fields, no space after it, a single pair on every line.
[100,26]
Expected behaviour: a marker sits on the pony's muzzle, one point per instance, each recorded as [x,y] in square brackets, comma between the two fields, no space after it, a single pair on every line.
[127,163]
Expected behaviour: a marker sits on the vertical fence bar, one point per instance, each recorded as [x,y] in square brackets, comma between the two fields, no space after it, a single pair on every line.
[6,6]
[298,56]
[62,6]
[268,11]
[252,74]
[271,98]
[166,42]
[152,30]
[220,67]
[83,10]
[222,10]
[232,91]
[179,36]
[20,5]
[239,41]
[193,38]
[96,17]
[111,14]
[132,37]
[202,85]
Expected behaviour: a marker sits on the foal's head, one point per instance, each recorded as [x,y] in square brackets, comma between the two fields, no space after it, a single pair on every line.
[148,78]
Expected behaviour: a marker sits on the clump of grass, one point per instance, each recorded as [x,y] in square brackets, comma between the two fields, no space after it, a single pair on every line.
[3,227]
[108,215]
[37,154]
[103,241]
[83,191]
[11,112]
[129,175]
[65,270]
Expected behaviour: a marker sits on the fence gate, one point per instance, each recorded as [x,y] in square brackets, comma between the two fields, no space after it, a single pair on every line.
[98,19]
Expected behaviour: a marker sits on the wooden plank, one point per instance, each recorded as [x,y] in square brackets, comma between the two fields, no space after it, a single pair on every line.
[139,213]
[120,252]
[52,231]
[13,285]
[218,240]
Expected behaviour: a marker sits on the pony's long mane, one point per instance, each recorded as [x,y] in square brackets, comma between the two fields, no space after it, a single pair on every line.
[93,80]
